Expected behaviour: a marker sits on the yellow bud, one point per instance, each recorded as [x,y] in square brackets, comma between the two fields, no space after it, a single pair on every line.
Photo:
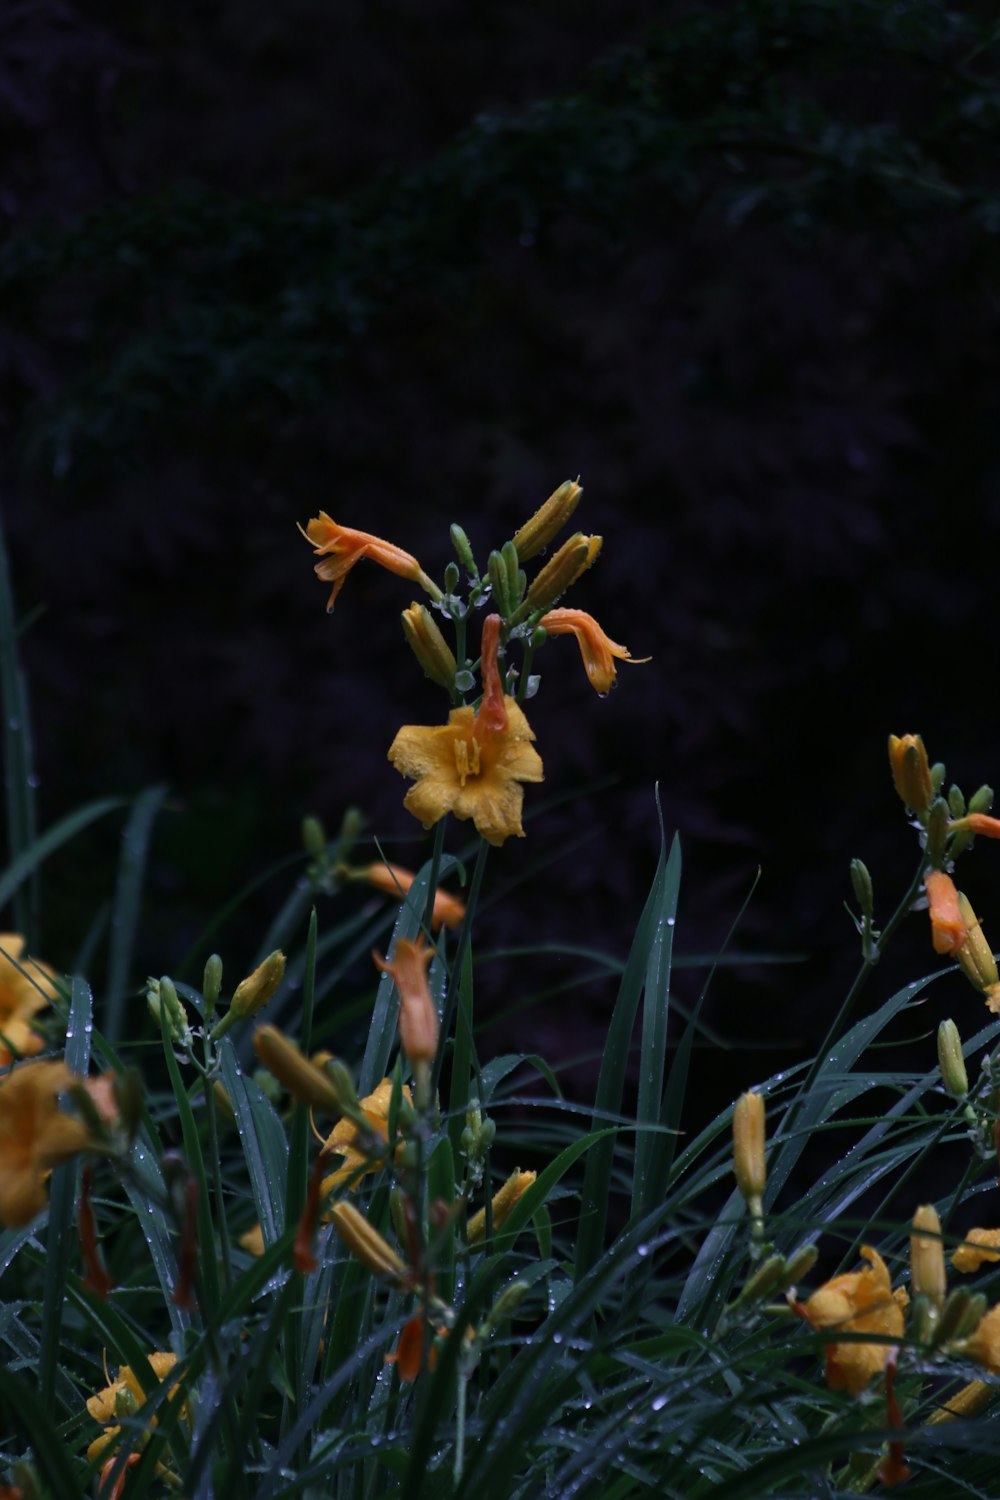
[514,1188]
[365,1243]
[748,1147]
[561,571]
[429,646]
[911,771]
[975,955]
[253,993]
[549,519]
[968,1402]
[953,1073]
[301,1078]
[927,1272]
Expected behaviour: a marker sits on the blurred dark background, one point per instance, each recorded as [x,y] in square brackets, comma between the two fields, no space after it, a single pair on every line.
[737,265]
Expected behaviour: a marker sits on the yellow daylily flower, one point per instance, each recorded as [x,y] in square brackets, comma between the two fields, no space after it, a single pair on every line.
[35,1136]
[474,765]
[597,649]
[124,1396]
[340,547]
[21,998]
[978,1247]
[343,1139]
[858,1302]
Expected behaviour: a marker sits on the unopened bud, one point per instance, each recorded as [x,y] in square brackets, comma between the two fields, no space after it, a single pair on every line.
[128,1091]
[211,984]
[223,1105]
[451,578]
[748,1148]
[953,1071]
[927,1272]
[954,1316]
[516,580]
[500,589]
[514,1188]
[463,549]
[423,636]
[911,773]
[508,1302]
[161,997]
[937,830]
[549,519]
[982,800]
[302,1079]
[562,570]
[956,802]
[365,1243]
[861,883]
[800,1264]
[771,1274]
[975,955]
[253,993]
[313,837]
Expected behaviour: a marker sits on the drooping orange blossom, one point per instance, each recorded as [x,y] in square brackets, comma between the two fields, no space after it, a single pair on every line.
[474,765]
[22,995]
[948,930]
[340,547]
[35,1136]
[395,881]
[597,649]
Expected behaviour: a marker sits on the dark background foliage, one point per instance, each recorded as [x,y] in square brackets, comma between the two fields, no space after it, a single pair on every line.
[736,264]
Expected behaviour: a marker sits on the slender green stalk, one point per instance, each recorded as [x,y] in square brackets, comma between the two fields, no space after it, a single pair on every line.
[464,938]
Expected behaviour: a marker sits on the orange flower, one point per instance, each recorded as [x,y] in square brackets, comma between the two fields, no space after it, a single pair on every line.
[341,547]
[418,1017]
[948,930]
[474,765]
[34,1136]
[22,995]
[981,823]
[409,1355]
[911,772]
[395,881]
[344,1139]
[124,1397]
[858,1302]
[596,648]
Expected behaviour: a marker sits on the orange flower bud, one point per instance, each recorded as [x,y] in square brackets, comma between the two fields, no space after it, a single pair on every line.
[748,1146]
[948,930]
[927,1273]
[395,881]
[911,772]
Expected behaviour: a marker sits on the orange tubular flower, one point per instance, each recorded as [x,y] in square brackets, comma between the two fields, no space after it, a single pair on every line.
[418,1017]
[409,1355]
[344,1139]
[395,881]
[21,997]
[474,765]
[34,1137]
[596,648]
[341,547]
[859,1302]
[948,930]
[979,823]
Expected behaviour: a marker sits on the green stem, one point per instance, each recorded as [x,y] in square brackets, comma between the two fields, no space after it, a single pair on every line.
[460,1428]
[436,853]
[461,948]
[212,1127]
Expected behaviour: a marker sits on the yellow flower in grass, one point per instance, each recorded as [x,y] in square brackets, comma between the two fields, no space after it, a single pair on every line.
[340,547]
[35,1136]
[22,995]
[984,1345]
[598,650]
[124,1397]
[978,1246]
[514,1188]
[474,765]
[858,1302]
[345,1139]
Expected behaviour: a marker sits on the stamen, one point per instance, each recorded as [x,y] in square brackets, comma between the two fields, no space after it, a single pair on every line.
[466,759]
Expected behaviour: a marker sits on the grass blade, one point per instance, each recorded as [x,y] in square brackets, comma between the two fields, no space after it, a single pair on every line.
[23,866]
[19,780]
[649,1177]
[128,900]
